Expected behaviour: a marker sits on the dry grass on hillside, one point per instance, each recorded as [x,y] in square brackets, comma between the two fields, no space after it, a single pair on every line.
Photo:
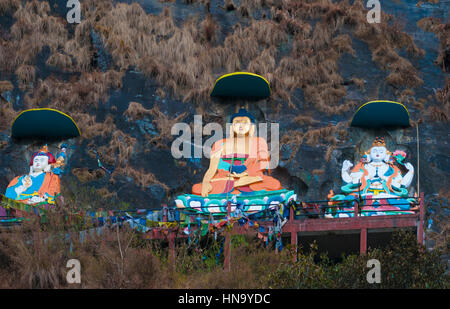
[153,44]
[85,175]
[33,29]
[7,115]
[76,95]
[312,64]
[442,31]
[105,194]
[119,150]
[26,75]
[187,59]
[140,177]
[6,85]
[33,258]
[104,262]
[328,136]
[443,95]
[60,60]
[441,111]
[113,258]
[304,120]
[136,111]
[8,6]
[163,123]
[91,128]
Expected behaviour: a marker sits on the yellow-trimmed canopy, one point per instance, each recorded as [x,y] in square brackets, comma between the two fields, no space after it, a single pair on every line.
[44,123]
[241,84]
[381,113]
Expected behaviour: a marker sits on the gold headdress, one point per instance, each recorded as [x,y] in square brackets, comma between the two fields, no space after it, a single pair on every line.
[378,142]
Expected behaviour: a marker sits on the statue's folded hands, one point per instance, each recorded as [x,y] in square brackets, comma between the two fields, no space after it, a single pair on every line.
[236,175]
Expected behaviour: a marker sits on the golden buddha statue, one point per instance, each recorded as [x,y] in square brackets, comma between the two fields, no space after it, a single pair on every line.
[237,168]
[238,163]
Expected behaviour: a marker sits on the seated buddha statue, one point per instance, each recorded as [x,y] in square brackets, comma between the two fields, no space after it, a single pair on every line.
[377,179]
[237,168]
[237,164]
[42,184]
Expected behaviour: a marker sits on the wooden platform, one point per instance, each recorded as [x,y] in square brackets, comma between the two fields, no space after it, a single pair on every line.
[295,227]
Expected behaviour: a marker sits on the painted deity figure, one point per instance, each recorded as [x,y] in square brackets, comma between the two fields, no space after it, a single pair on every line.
[237,169]
[42,183]
[238,163]
[377,179]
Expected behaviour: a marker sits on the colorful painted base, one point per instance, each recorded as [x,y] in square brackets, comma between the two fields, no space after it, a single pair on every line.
[370,206]
[252,201]
[366,213]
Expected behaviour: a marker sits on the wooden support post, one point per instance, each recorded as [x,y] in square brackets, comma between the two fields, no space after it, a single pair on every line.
[291,213]
[164,210]
[421,218]
[226,248]
[363,241]
[294,244]
[170,238]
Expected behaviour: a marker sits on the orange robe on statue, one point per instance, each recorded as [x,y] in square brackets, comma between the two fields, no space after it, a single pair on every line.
[45,184]
[256,162]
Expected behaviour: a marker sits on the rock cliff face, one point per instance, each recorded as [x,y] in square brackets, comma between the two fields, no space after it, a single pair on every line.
[131,69]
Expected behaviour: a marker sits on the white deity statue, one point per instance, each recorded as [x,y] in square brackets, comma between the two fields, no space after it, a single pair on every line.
[42,184]
[377,179]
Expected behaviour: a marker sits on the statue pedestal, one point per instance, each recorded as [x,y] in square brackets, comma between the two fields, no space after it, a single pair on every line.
[252,201]
[369,206]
